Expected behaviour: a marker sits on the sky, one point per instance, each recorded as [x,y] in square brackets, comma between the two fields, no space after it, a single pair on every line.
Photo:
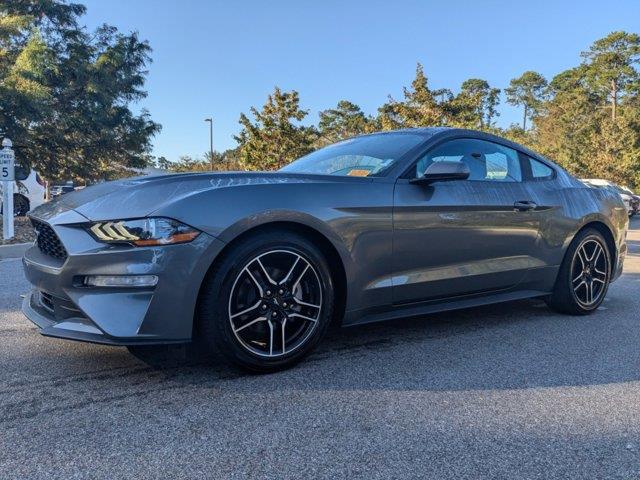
[219,58]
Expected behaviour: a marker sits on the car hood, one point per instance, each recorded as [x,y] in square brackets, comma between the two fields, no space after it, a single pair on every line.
[141,196]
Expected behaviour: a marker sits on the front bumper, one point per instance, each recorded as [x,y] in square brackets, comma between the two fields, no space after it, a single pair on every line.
[77,327]
[62,307]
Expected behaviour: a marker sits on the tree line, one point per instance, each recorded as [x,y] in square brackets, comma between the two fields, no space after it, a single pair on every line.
[586,118]
[65,96]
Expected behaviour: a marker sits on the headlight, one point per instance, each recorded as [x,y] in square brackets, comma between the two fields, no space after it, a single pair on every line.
[144,232]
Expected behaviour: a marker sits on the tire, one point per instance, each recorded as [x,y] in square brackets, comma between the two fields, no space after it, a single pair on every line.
[267,303]
[20,205]
[584,276]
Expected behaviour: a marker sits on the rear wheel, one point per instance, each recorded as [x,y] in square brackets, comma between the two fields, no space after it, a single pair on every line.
[584,276]
[267,303]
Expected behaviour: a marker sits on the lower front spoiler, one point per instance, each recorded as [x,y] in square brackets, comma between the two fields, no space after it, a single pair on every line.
[80,329]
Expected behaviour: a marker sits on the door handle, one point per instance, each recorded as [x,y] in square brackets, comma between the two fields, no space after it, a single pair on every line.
[525,205]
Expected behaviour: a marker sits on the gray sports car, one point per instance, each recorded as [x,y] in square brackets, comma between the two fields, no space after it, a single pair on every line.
[256,265]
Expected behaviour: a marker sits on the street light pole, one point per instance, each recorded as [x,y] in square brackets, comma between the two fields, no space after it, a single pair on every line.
[210,120]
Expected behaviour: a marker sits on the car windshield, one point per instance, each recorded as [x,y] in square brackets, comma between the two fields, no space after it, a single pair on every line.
[360,157]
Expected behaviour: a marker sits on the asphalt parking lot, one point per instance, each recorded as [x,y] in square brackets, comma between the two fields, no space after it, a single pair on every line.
[508,391]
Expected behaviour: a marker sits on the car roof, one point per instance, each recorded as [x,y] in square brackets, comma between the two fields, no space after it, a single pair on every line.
[441,133]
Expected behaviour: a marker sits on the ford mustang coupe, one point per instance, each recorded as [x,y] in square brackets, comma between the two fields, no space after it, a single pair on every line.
[256,265]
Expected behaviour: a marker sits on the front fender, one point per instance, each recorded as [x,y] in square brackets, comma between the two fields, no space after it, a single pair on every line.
[291,217]
[355,217]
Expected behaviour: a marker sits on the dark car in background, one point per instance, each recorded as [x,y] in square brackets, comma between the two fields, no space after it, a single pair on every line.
[256,265]
[634,201]
[57,190]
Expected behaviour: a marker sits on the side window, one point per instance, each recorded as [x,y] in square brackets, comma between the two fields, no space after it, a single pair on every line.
[540,171]
[487,161]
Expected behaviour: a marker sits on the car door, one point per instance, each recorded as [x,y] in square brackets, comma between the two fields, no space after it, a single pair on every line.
[462,237]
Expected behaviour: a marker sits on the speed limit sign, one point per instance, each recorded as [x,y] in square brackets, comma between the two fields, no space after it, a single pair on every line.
[7,165]
[7,175]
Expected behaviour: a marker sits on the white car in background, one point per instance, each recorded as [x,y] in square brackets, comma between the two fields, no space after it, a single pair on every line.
[28,194]
[630,201]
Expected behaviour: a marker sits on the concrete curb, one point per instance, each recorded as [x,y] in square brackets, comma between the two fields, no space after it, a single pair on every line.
[15,250]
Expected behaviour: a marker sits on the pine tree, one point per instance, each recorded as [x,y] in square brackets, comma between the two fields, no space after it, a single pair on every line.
[611,65]
[475,106]
[527,91]
[346,120]
[274,138]
[419,108]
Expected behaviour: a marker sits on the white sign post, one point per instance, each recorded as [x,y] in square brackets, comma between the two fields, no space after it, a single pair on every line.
[7,177]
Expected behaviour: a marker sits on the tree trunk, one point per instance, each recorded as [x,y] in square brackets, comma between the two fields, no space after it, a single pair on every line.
[614,99]
[524,119]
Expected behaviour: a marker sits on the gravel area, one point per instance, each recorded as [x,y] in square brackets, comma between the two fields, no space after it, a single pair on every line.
[23,232]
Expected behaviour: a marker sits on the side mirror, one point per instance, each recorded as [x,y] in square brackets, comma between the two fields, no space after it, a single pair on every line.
[442,171]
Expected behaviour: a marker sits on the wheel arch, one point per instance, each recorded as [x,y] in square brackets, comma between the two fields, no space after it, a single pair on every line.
[606,232]
[335,261]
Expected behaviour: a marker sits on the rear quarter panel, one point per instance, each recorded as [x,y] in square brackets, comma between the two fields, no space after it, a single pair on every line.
[570,206]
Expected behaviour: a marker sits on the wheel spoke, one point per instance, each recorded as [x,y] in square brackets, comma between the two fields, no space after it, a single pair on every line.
[575,289]
[284,280]
[577,278]
[596,254]
[600,277]
[304,317]
[264,271]
[295,285]
[270,338]
[252,322]
[582,255]
[247,310]
[284,341]
[590,292]
[305,304]
[257,284]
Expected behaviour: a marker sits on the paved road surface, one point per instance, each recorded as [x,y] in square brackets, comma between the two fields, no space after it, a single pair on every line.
[503,391]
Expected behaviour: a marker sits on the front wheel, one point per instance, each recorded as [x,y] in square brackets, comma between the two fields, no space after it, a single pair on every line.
[584,276]
[267,303]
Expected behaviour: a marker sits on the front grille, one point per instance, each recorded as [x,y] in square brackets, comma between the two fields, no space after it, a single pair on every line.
[47,240]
